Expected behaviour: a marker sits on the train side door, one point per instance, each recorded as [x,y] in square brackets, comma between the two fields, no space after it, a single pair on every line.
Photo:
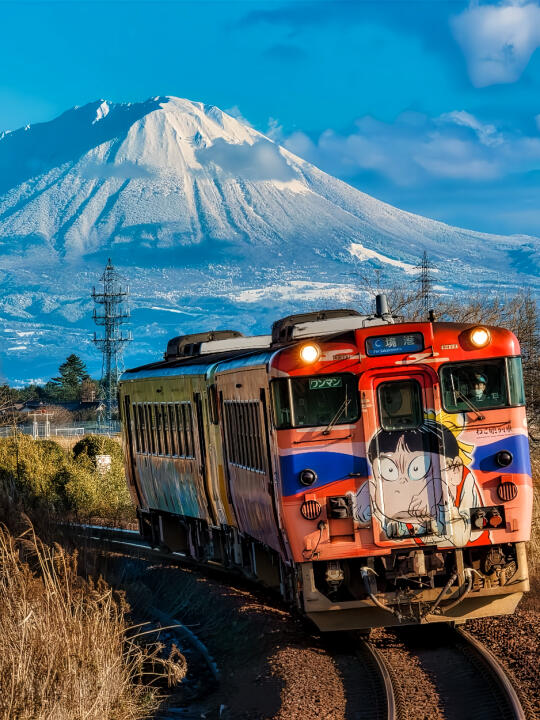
[129,431]
[202,458]
[403,448]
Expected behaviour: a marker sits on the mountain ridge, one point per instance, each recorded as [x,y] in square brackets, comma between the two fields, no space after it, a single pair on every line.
[179,189]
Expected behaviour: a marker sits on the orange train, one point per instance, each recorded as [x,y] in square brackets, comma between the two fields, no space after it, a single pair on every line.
[377,473]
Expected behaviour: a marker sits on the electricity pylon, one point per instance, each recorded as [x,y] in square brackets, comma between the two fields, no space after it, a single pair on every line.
[426,282]
[115,313]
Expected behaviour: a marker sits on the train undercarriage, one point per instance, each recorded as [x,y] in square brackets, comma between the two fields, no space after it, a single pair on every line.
[408,586]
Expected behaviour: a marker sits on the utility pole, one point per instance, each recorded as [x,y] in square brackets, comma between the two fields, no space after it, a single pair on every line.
[111,313]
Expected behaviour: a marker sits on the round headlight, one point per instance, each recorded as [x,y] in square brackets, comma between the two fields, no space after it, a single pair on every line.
[479,337]
[310,353]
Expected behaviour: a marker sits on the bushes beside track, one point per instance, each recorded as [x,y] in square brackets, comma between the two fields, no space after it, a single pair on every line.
[41,475]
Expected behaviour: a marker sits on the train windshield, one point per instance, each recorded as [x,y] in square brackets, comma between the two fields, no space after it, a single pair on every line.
[487,384]
[315,401]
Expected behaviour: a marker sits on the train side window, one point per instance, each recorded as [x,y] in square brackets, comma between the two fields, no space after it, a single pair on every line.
[166,431]
[246,447]
[244,435]
[400,404]
[134,428]
[188,429]
[180,429]
[158,427]
[233,431]
[172,426]
[151,429]
[142,428]
[213,404]
[240,438]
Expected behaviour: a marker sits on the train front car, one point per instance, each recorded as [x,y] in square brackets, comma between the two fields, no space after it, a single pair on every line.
[405,472]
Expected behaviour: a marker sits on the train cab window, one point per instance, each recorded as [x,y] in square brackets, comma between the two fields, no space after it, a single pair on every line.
[315,401]
[480,384]
[400,404]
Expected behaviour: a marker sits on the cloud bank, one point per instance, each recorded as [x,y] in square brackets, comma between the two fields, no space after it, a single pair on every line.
[416,149]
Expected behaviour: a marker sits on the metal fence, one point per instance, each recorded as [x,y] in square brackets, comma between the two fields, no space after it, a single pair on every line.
[46,430]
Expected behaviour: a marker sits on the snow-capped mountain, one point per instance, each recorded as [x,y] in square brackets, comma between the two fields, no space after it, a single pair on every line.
[211,223]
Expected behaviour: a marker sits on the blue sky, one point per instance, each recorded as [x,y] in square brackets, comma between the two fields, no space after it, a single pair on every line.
[432,106]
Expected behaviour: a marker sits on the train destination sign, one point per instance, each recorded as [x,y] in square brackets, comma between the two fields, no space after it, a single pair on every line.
[324,382]
[394,344]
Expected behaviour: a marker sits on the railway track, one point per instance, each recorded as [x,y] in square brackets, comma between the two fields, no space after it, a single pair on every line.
[435,673]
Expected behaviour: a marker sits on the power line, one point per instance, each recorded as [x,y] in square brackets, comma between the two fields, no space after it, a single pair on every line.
[114,314]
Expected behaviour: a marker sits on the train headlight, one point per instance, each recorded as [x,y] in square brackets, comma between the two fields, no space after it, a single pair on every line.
[479,337]
[310,353]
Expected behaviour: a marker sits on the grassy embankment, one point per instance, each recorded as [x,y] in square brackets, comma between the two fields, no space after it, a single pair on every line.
[66,649]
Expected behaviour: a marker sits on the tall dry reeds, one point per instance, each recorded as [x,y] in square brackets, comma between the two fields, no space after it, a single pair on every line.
[65,651]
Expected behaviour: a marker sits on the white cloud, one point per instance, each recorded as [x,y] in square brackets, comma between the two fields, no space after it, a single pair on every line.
[497,40]
[487,134]
[260,161]
[416,149]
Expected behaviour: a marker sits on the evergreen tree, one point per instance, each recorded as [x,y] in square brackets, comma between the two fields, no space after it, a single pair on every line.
[68,383]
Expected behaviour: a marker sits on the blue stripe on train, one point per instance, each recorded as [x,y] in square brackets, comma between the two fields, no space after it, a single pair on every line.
[518,445]
[329,466]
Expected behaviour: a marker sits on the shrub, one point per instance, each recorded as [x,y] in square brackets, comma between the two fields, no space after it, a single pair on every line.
[90,492]
[92,445]
[33,471]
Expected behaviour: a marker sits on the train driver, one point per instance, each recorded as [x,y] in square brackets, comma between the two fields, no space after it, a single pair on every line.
[479,388]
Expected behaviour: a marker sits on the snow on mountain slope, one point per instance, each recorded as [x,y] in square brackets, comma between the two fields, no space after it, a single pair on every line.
[212,223]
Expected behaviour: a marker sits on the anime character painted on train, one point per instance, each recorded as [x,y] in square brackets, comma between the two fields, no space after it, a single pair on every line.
[376,473]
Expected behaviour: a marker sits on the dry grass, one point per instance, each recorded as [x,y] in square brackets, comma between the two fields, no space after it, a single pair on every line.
[65,651]
[534,545]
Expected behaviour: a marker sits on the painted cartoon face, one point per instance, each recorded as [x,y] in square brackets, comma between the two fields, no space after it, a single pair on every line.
[402,478]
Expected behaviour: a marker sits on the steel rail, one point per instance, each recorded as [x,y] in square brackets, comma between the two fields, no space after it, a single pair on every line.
[498,672]
[384,674]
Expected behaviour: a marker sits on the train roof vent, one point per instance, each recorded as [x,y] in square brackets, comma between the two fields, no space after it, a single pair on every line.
[324,322]
[190,345]
[236,343]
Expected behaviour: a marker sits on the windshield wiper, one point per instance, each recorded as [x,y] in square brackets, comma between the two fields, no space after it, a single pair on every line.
[479,416]
[343,407]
